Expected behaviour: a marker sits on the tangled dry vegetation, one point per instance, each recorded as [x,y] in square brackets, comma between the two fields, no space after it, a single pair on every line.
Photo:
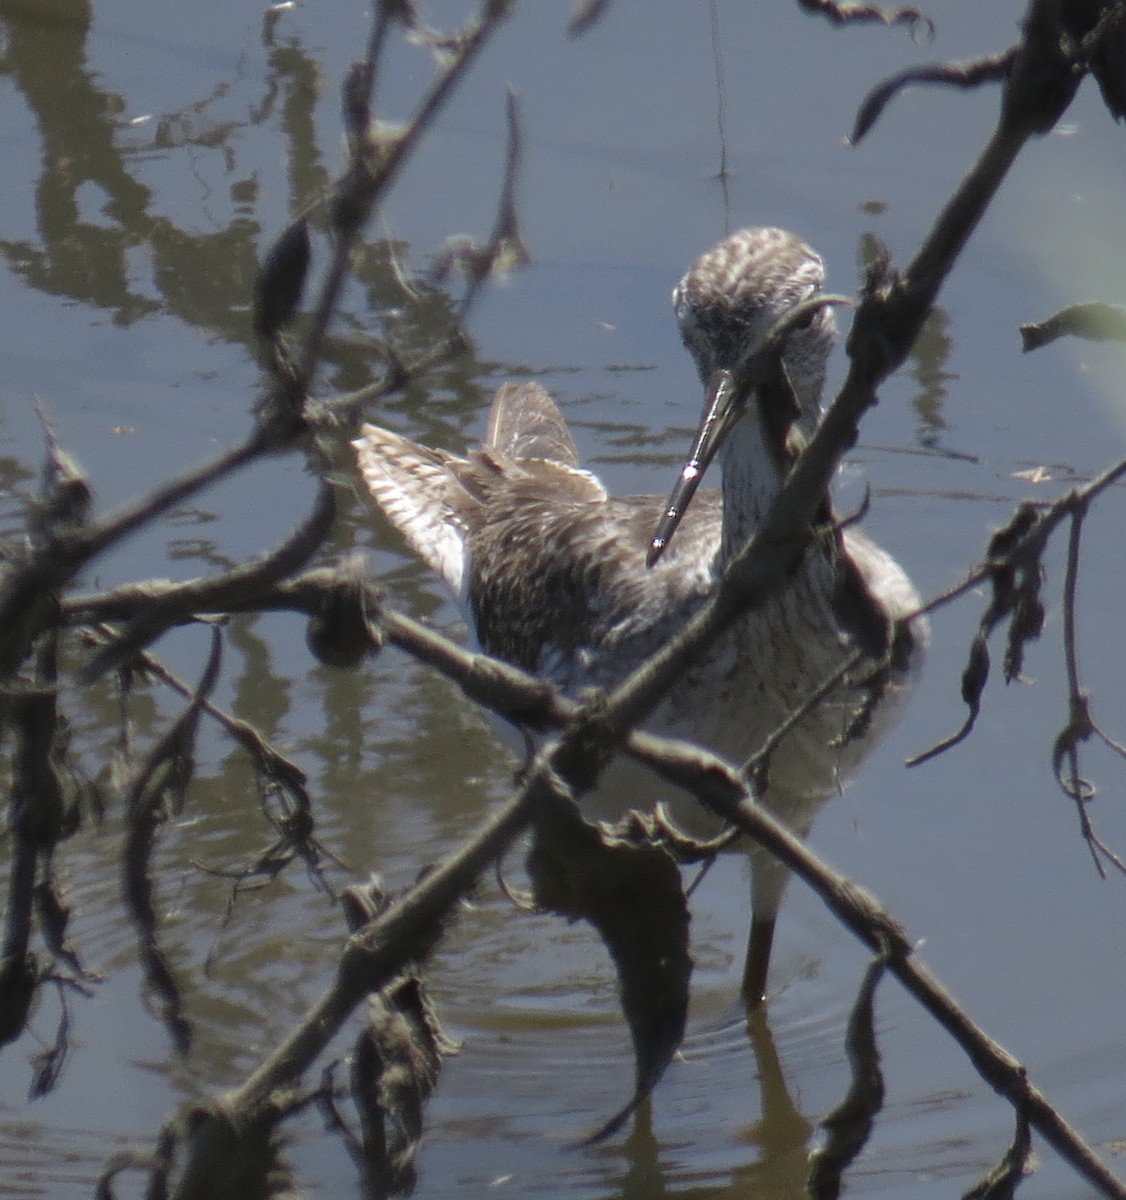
[56,640]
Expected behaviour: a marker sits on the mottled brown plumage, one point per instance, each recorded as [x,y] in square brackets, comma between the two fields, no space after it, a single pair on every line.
[553,573]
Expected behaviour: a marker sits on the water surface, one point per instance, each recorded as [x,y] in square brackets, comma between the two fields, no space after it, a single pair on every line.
[151,156]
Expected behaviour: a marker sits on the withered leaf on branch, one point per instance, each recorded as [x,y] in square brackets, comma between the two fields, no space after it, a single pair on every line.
[1015,574]
[395,1068]
[340,633]
[65,495]
[631,893]
[975,675]
[1026,625]
[224,1157]
[281,280]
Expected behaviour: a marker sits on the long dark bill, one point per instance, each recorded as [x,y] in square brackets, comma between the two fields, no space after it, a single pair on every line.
[721,408]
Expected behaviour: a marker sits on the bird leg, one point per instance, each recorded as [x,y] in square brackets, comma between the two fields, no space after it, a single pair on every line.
[758,961]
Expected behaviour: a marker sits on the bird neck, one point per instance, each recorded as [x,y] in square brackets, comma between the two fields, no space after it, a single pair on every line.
[752,477]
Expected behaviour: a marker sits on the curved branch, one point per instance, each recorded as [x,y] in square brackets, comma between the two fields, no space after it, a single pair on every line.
[846,12]
[959,75]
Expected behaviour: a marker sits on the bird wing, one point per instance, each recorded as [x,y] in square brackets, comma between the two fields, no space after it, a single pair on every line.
[418,492]
[525,422]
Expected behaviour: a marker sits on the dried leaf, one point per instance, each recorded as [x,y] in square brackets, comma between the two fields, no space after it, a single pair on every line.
[281,281]
[974,678]
[395,1068]
[631,892]
[1026,626]
[1007,538]
[340,634]
[229,1158]
[976,674]
[65,495]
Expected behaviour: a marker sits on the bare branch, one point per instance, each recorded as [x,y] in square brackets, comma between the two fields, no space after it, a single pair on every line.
[958,75]
[157,611]
[844,12]
[159,790]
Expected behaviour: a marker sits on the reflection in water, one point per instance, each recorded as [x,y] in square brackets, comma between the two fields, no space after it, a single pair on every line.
[928,359]
[258,688]
[203,278]
[926,362]
[46,57]
[783,1130]
[780,1136]
[781,1133]
[644,1177]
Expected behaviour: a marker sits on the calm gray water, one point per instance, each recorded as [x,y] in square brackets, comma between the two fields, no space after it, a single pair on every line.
[151,153]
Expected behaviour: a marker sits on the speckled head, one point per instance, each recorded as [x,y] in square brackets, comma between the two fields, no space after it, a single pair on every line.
[726,305]
[731,297]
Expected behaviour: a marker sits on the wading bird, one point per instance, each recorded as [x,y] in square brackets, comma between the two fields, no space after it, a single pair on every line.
[567,582]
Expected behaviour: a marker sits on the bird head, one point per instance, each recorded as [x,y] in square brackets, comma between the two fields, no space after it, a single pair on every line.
[749,316]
